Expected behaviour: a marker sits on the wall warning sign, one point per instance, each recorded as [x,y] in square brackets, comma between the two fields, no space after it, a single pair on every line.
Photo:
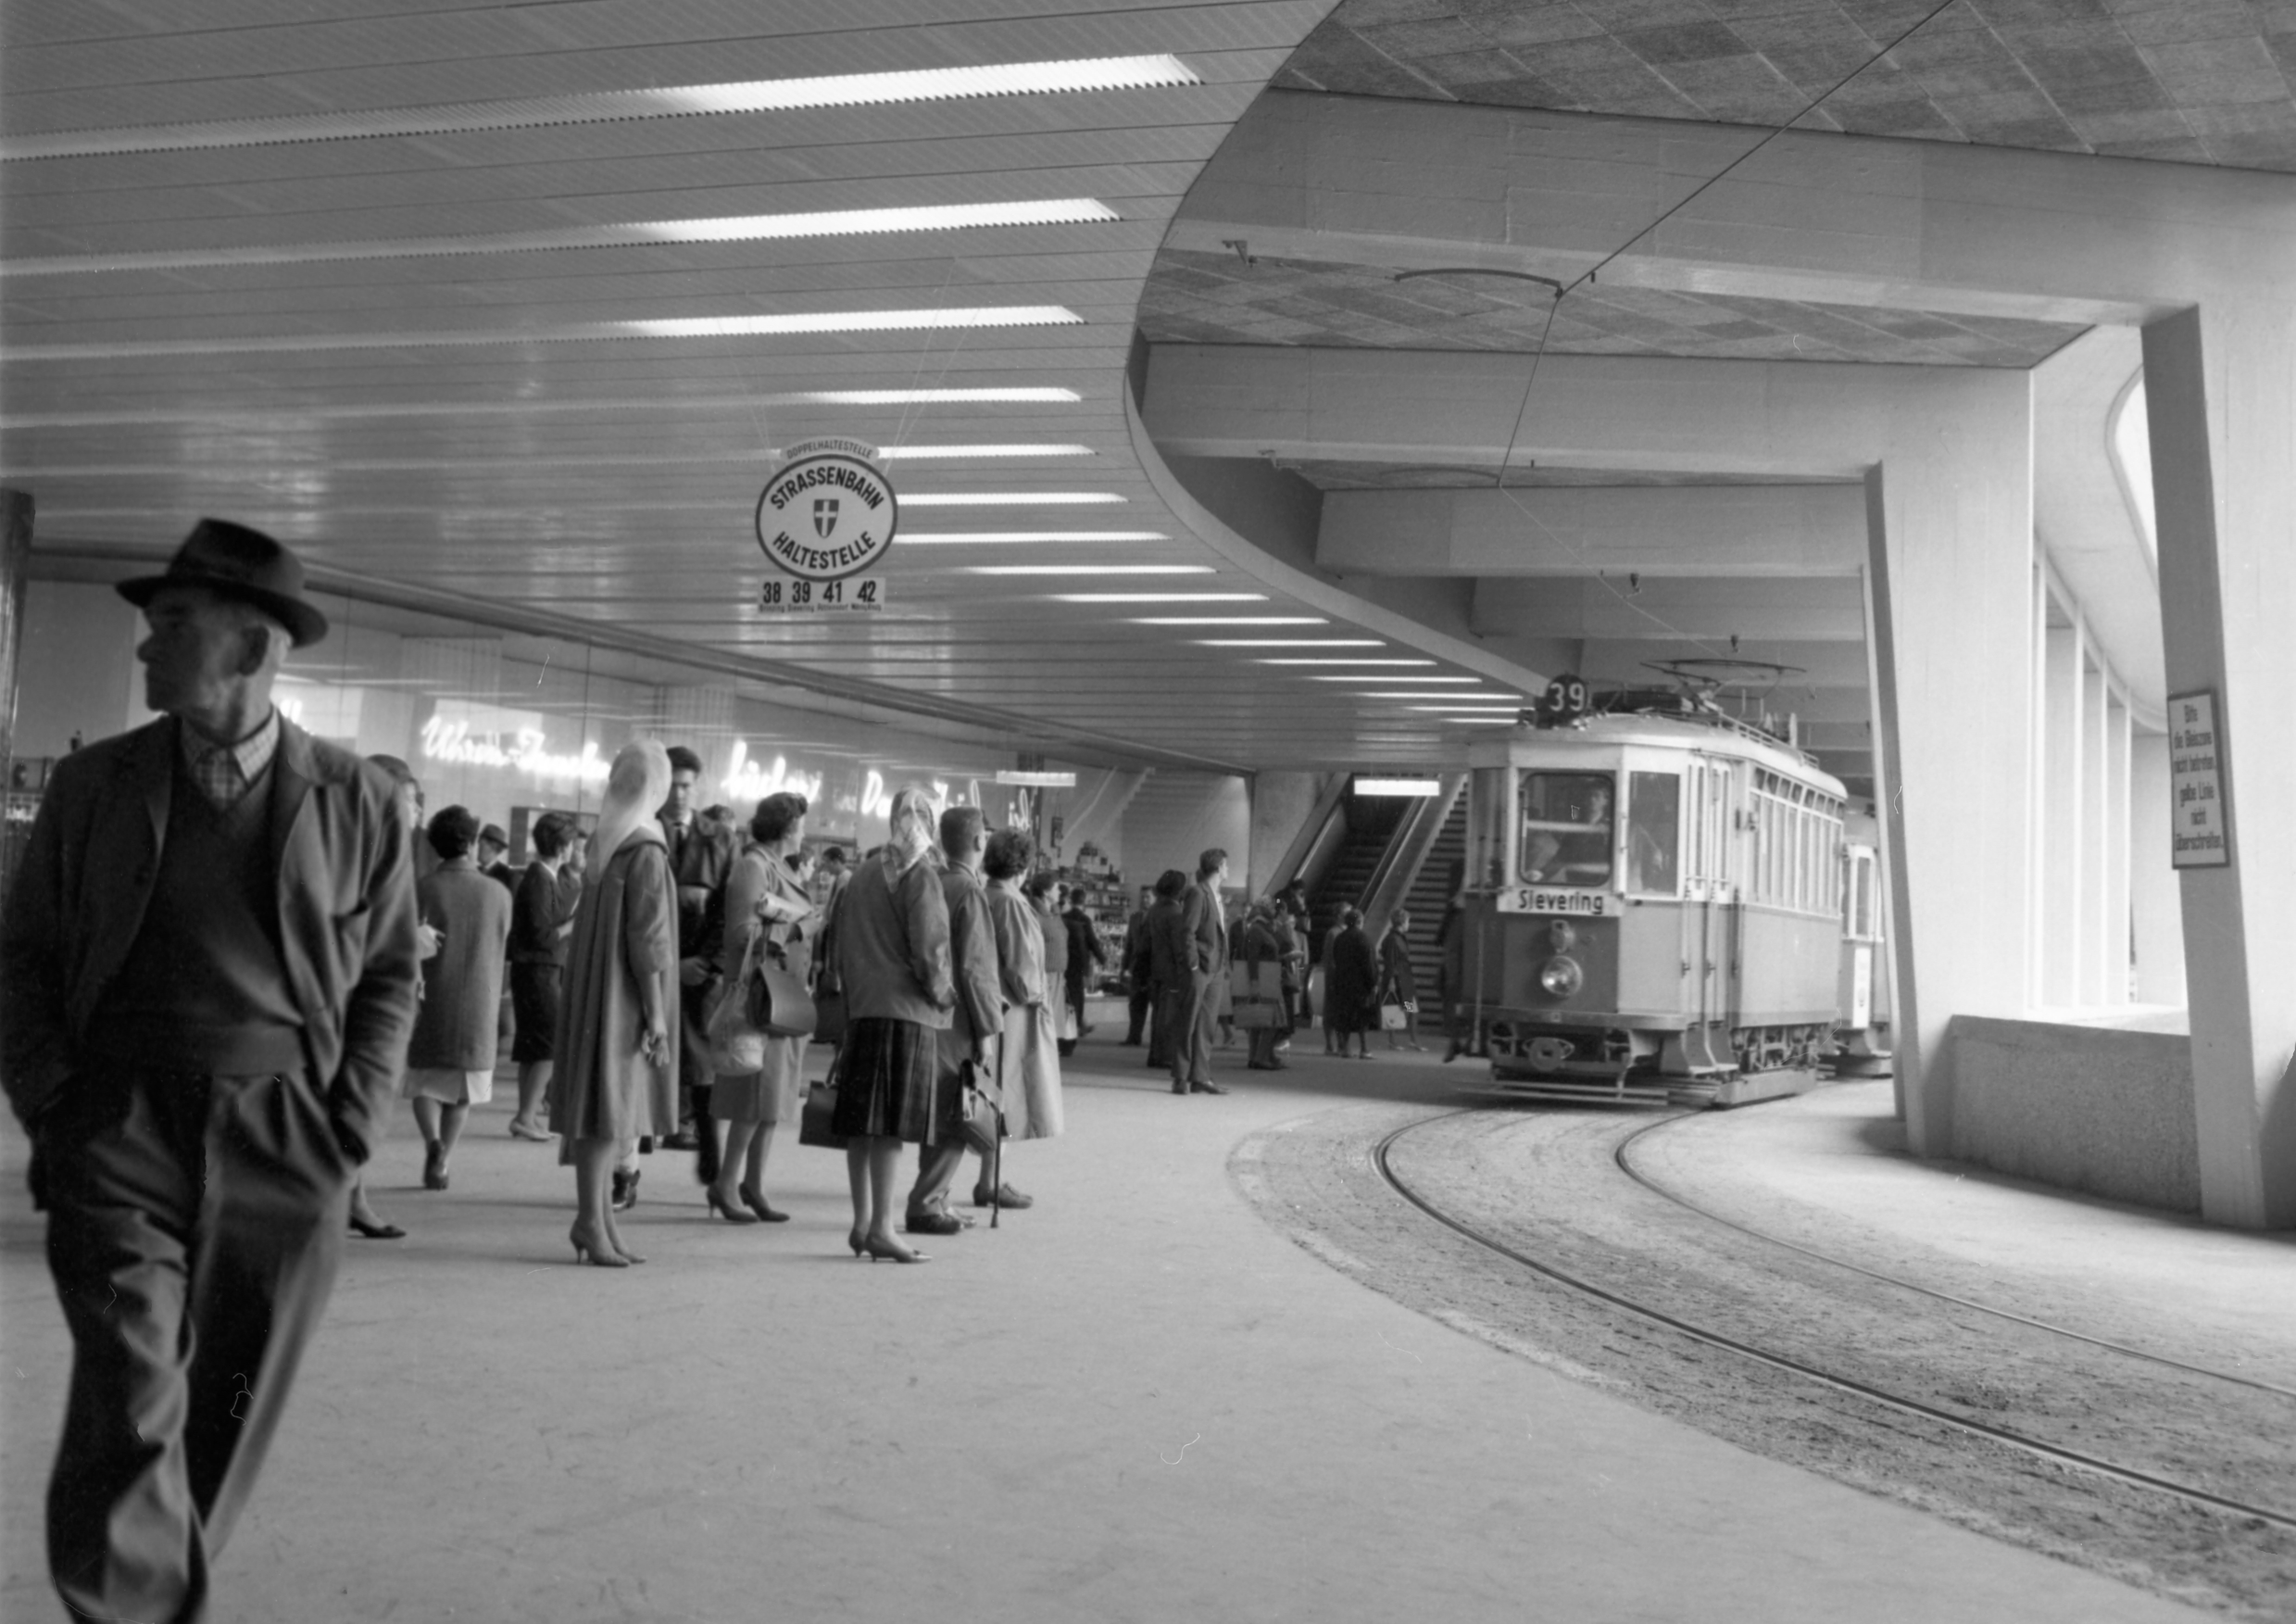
[2198,821]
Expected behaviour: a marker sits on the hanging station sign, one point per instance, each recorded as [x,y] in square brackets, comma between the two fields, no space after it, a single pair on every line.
[826,521]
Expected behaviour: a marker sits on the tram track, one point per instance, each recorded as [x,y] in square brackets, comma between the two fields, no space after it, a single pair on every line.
[2041,1448]
[1525,1228]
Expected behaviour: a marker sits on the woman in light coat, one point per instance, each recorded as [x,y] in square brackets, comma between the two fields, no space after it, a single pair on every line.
[764,894]
[1028,1068]
[617,1073]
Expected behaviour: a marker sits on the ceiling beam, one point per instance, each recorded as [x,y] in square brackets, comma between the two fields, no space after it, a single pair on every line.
[1784,419]
[1673,610]
[1652,530]
[1414,185]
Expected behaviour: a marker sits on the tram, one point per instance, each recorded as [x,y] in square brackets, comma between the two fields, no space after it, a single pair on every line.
[1654,911]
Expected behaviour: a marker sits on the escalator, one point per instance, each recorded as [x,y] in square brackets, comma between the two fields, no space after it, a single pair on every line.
[1345,878]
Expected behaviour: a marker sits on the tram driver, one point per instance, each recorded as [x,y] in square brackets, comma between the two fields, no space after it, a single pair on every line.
[1580,841]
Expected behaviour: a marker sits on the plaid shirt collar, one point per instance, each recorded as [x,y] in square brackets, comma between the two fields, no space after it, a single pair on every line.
[225,771]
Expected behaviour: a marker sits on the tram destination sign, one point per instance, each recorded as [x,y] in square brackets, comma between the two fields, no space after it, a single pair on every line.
[1538,900]
[828,513]
[2199,822]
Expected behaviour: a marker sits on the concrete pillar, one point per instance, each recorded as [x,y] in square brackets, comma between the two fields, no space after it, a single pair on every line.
[2155,921]
[1950,553]
[2114,855]
[2057,941]
[1280,804]
[2220,379]
[2094,794]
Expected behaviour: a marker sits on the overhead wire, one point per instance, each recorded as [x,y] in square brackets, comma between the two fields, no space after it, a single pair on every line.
[1587,278]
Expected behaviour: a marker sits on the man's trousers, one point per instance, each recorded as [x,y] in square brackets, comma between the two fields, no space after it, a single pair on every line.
[195,1226]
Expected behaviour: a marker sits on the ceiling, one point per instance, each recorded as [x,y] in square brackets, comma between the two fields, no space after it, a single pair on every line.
[516,306]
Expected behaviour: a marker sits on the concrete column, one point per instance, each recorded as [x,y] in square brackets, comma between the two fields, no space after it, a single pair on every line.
[2155,921]
[2221,385]
[1951,552]
[2057,942]
[2114,862]
[2038,845]
[2094,794]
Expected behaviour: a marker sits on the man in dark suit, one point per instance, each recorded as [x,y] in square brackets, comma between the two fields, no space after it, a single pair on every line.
[1138,967]
[1205,926]
[701,860]
[208,974]
[976,1025]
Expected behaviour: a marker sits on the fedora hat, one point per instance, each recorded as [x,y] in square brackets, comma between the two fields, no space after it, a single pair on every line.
[237,562]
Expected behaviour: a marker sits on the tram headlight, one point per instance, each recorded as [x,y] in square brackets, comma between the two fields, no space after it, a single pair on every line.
[1561,937]
[1560,975]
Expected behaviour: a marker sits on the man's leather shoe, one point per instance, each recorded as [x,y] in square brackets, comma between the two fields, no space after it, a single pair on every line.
[624,1191]
[1007,1197]
[931,1224]
[1206,1089]
[682,1140]
[1179,1088]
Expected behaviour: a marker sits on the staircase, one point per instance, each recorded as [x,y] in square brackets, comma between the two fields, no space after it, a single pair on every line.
[1371,824]
[1432,887]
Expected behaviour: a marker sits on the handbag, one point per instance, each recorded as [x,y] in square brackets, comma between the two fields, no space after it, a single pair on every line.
[983,1123]
[820,1110]
[1394,1017]
[735,1043]
[778,1002]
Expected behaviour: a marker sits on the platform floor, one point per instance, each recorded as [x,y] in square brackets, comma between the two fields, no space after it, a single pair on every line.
[1134,1401]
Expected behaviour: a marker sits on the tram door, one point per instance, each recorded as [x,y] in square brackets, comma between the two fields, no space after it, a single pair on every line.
[1709,915]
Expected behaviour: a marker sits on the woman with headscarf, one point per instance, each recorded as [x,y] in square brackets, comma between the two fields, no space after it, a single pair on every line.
[1168,967]
[1028,1064]
[763,893]
[450,1058]
[617,1073]
[893,961]
[1352,981]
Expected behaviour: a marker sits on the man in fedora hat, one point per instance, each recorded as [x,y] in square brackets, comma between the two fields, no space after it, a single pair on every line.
[208,975]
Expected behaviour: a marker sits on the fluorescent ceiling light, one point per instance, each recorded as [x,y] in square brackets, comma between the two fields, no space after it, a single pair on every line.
[1337,660]
[1290,642]
[1399,679]
[581,333]
[1012,499]
[918,453]
[1005,538]
[302,415]
[1231,620]
[747,228]
[1468,709]
[1023,397]
[1089,570]
[1483,721]
[1158,598]
[1463,698]
[766,96]
[1402,786]
[1037,780]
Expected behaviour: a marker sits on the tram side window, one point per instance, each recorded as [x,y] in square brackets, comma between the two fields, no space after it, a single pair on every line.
[1653,832]
[1567,828]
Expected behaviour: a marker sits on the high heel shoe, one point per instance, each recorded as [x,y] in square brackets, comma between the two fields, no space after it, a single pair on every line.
[756,1204]
[594,1250]
[854,1238]
[435,1167]
[375,1230]
[726,1209]
[895,1251]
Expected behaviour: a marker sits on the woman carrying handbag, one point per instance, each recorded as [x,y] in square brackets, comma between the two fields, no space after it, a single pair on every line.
[770,925]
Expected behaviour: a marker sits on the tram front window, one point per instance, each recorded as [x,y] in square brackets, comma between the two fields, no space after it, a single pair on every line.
[1653,832]
[1567,828]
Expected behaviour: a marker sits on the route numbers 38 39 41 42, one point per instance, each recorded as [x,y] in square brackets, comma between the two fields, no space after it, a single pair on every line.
[855,592]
